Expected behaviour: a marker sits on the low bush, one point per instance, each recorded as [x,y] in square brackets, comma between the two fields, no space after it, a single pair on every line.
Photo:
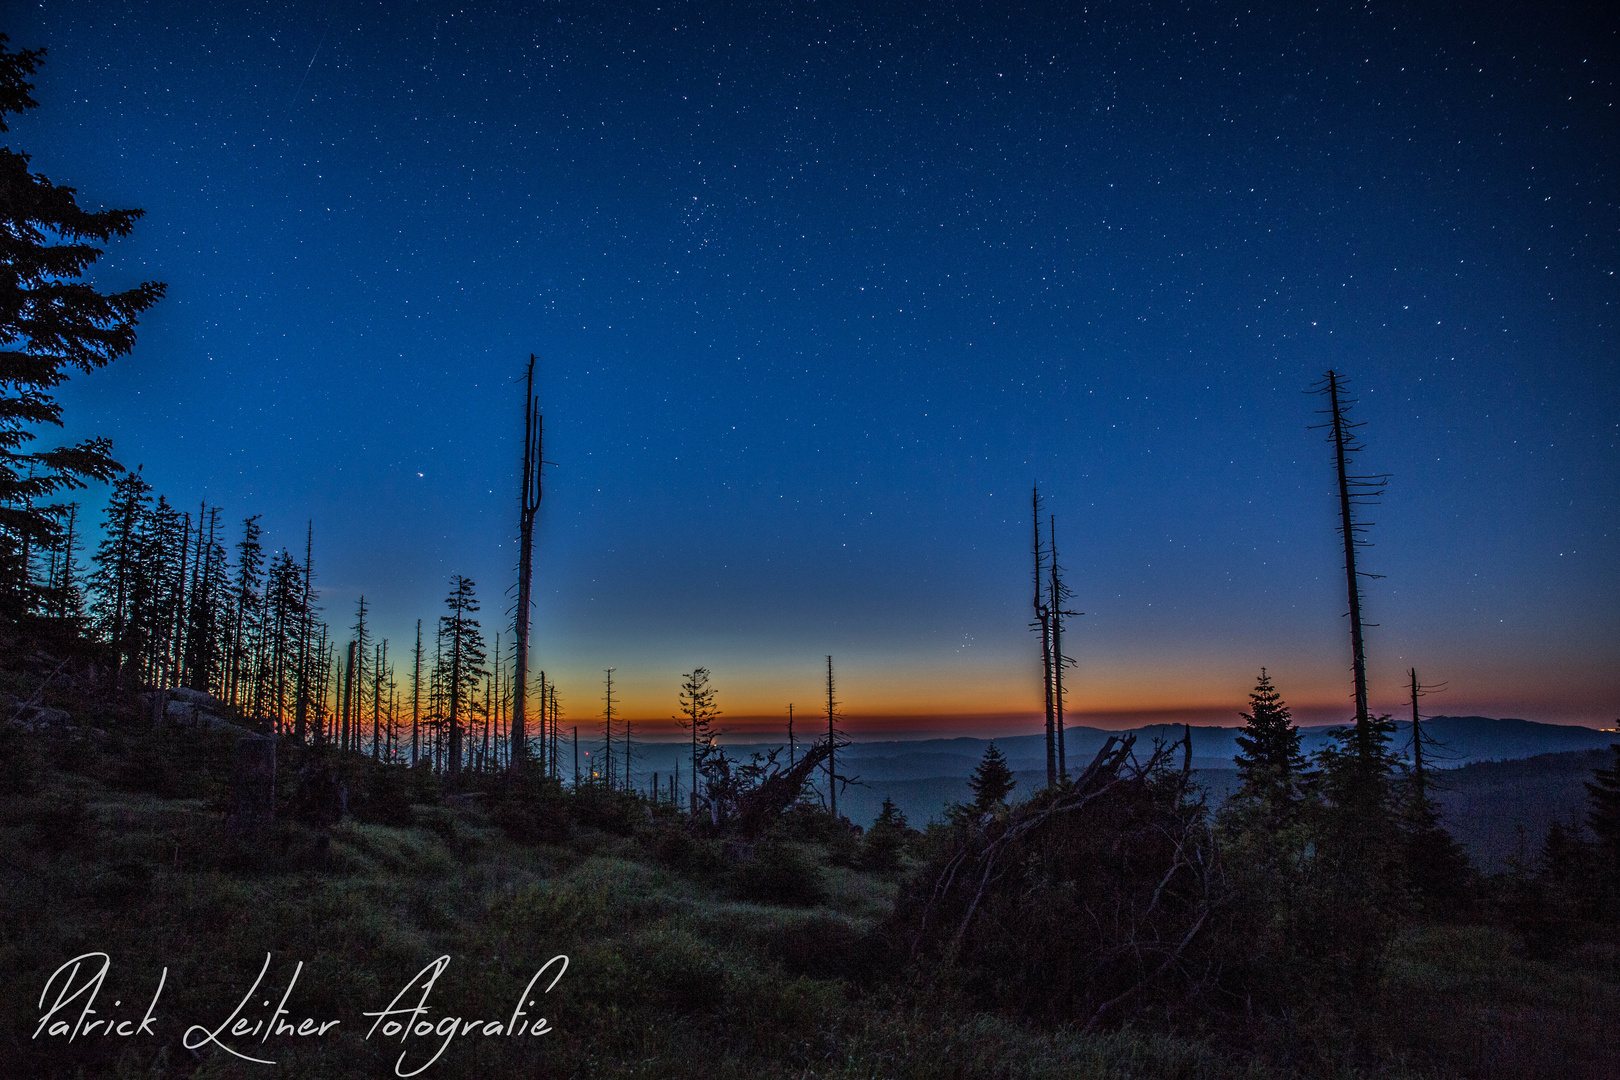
[779,873]
[61,824]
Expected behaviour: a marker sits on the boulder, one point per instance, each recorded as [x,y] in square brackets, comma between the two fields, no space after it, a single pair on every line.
[200,698]
[195,714]
[40,718]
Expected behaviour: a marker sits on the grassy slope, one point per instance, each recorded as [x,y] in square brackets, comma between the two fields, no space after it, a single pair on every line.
[672,973]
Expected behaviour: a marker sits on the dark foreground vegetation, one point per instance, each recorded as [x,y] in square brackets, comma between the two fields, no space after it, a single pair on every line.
[1118,927]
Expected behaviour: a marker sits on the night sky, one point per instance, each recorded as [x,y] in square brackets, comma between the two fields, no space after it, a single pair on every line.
[818,291]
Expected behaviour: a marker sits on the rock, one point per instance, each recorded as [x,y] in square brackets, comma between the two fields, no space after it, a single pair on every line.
[200,698]
[156,704]
[195,715]
[40,718]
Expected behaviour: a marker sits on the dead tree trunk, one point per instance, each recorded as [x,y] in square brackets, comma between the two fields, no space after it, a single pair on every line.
[528,508]
[832,744]
[1043,623]
[1353,490]
[778,791]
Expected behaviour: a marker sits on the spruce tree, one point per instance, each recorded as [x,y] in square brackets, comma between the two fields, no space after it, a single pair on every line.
[65,594]
[117,562]
[1269,762]
[992,781]
[362,647]
[161,590]
[886,839]
[249,580]
[207,623]
[698,713]
[283,622]
[461,664]
[51,321]
[1603,818]
[1437,870]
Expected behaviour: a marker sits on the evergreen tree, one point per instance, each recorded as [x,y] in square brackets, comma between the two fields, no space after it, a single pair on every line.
[207,621]
[151,626]
[461,664]
[891,816]
[356,695]
[886,839]
[50,322]
[992,781]
[64,596]
[1269,763]
[1564,870]
[1603,818]
[161,590]
[249,580]
[1359,860]
[307,658]
[284,620]
[117,561]
[698,713]
[1437,871]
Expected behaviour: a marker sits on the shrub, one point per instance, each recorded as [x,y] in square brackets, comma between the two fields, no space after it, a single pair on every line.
[123,883]
[21,763]
[887,839]
[684,853]
[809,822]
[62,824]
[615,812]
[822,946]
[424,783]
[533,819]
[1090,901]
[384,796]
[149,770]
[779,873]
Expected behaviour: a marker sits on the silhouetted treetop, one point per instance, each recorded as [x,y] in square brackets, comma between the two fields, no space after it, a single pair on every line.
[992,781]
[1269,761]
[50,321]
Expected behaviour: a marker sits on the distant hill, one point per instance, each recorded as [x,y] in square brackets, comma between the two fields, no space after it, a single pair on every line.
[1500,775]
[1500,809]
[1465,739]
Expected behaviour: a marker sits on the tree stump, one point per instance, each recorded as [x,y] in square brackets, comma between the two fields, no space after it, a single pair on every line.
[253,785]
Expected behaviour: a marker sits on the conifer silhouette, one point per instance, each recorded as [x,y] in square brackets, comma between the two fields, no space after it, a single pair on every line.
[1269,762]
[992,780]
[698,712]
[461,663]
[51,322]
[1603,818]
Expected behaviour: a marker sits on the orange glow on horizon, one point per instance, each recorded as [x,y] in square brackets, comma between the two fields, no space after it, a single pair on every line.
[868,726]
[890,698]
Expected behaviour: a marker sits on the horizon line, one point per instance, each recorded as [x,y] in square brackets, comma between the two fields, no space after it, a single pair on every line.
[916,727]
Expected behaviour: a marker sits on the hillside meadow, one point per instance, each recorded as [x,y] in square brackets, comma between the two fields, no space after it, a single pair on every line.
[687,956]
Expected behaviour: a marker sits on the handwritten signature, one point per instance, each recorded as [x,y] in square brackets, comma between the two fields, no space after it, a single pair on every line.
[78,983]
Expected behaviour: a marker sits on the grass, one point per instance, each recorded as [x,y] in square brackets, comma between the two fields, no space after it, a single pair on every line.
[681,964]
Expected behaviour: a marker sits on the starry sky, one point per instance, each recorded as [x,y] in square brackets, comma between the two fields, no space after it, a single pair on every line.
[818,292]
